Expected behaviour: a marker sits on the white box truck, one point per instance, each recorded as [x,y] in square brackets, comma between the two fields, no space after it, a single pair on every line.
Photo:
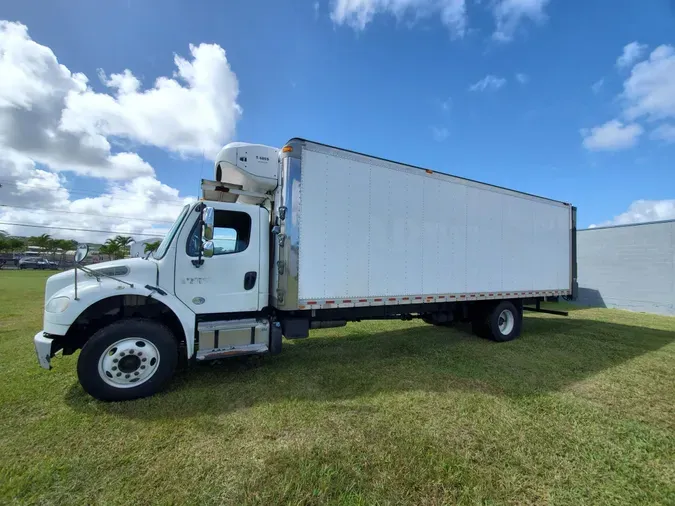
[307,236]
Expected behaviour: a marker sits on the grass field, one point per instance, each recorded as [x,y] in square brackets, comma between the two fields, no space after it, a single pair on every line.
[579,410]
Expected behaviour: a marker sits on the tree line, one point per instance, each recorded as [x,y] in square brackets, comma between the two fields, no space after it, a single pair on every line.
[114,248]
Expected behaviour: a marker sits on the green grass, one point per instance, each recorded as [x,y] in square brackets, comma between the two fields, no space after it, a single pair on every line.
[579,410]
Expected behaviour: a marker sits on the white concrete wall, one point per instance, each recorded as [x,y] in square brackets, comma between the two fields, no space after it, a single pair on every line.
[628,267]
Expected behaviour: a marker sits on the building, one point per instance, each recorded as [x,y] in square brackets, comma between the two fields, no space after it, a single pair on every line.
[628,267]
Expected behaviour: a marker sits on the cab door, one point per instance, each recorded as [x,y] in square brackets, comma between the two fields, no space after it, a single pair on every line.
[229,281]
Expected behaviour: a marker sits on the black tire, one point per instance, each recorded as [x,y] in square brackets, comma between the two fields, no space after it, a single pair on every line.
[487,323]
[275,338]
[88,361]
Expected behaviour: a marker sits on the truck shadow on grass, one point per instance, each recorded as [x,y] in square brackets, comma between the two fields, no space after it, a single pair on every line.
[355,362]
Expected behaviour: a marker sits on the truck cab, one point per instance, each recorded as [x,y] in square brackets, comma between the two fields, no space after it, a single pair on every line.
[203,294]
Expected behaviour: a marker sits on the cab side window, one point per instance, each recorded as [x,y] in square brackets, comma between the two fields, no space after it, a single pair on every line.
[231,233]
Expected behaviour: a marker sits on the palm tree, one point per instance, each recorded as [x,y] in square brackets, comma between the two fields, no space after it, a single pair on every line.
[103,250]
[52,246]
[123,242]
[112,248]
[65,245]
[15,244]
[151,246]
[41,241]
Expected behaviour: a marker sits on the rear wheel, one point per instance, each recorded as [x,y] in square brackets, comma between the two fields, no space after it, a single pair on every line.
[127,360]
[501,322]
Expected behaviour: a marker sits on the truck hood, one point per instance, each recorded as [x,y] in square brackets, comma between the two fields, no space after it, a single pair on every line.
[132,270]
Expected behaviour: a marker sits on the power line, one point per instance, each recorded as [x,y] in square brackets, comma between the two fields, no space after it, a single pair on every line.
[86,214]
[73,229]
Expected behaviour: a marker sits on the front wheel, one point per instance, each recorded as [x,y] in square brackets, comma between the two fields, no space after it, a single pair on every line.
[127,360]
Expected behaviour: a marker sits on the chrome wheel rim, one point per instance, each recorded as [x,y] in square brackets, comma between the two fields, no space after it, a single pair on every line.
[129,362]
[506,322]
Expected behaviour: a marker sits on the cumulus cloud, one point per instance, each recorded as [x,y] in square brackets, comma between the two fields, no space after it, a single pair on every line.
[509,14]
[53,123]
[192,114]
[612,135]
[631,53]
[642,211]
[33,90]
[357,14]
[488,83]
[51,115]
[41,198]
[648,96]
[649,91]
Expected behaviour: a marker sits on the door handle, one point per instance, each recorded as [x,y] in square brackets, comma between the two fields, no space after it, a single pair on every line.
[249,280]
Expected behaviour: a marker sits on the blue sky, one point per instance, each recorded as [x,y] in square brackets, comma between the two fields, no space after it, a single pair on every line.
[502,96]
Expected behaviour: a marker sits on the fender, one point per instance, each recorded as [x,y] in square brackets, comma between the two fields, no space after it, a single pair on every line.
[90,292]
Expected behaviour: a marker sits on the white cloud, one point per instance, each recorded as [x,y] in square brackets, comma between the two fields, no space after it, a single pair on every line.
[440,133]
[649,91]
[665,132]
[52,123]
[488,83]
[522,78]
[613,135]
[141,206]
[648,95]
[509,14]
[357,14]
[597,85]
[191,118]
[33,89]
[642,211]
[631,53]
[51,115]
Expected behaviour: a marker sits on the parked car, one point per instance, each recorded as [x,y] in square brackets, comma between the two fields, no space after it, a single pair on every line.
[36,263]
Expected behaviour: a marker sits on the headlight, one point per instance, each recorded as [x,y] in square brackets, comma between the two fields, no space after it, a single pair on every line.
[57,305]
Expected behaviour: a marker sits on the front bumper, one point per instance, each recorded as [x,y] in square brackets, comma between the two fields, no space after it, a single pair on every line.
[43,348]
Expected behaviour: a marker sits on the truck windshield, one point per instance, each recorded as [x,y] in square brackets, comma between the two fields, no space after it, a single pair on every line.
[164,245]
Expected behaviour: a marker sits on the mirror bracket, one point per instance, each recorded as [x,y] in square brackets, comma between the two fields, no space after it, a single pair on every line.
[206,220]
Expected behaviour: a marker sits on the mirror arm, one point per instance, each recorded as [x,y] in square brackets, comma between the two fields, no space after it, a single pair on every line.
[200,261]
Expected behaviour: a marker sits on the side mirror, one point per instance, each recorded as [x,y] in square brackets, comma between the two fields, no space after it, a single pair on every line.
[207,220]
[208,249]
[81,253]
